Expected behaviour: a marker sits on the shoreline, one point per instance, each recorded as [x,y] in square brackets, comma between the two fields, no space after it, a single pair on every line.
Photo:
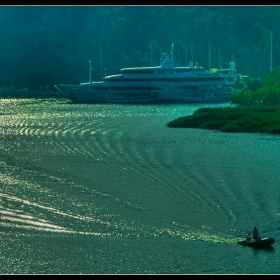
[28,94]
[247,119]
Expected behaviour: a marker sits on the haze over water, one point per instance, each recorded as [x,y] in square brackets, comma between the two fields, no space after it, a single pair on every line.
[104,188]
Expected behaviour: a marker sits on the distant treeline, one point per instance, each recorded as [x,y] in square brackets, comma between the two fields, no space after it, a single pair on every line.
[52,44]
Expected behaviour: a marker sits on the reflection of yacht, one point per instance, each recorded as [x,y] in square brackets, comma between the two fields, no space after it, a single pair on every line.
[164,83]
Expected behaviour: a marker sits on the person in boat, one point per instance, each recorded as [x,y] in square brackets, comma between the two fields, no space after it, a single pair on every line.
[255,234]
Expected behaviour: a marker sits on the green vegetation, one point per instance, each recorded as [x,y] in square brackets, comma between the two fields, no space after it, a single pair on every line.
[262,119]
[52,44]
[257,110]
[252,91]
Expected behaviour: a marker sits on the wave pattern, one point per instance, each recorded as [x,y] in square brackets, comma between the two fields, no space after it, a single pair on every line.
[117,170]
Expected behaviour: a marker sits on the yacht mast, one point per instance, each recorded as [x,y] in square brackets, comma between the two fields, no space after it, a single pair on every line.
[186,57]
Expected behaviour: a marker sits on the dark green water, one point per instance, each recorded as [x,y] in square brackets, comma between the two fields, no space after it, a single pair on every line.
[103,188]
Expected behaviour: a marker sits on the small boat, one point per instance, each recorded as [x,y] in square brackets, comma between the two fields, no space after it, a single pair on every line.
[259,243]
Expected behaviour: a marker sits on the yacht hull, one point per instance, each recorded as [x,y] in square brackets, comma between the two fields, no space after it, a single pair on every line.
[157,92]
[132,97]
[82,93]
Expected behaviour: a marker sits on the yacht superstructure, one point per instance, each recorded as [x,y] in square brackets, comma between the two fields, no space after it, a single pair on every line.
[163,83]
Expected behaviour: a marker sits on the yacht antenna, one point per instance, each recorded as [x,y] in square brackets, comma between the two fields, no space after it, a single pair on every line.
[171,54]
[192,54]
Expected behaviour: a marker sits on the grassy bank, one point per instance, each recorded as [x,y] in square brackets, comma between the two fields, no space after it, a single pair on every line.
[263,119]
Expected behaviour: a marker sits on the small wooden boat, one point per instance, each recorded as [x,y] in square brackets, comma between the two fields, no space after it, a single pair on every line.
[259,243]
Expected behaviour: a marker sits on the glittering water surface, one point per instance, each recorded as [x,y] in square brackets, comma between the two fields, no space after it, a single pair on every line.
[104,188]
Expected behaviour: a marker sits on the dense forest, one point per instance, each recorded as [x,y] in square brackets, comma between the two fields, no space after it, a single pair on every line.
[52,44]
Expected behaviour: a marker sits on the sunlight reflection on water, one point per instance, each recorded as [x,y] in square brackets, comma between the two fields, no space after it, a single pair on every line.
[161,200]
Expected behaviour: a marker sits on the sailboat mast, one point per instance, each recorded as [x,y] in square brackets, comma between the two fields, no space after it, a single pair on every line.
[219,58]
[101,62]
[271,51]
[192,54]
[151,54]
[209,56]
[89,74]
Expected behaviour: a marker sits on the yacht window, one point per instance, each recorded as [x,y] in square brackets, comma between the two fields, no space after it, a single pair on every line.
[137,71]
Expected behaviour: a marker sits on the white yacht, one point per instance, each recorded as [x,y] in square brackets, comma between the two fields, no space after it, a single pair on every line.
[163,83]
